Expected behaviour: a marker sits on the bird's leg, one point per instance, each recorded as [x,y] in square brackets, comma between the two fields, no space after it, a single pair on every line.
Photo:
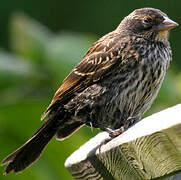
[112,133]
[103,128]
[116,132]
[131,121]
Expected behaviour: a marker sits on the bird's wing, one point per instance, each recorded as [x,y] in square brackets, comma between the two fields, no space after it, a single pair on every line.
[101,59]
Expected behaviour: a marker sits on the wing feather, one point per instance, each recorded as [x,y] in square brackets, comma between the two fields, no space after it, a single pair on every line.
[98,62]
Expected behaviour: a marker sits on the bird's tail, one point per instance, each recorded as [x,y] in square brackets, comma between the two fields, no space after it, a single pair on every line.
[31,150]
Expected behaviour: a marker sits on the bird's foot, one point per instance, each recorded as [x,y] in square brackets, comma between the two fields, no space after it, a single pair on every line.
[130,122]
[113,133]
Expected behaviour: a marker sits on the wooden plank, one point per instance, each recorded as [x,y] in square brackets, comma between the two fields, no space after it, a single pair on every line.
[150,149]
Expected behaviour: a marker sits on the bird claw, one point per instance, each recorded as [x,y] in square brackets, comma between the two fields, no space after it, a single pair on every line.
[105,141]
[112,134]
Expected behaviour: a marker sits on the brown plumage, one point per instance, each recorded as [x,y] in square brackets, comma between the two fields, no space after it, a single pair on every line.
[117,80]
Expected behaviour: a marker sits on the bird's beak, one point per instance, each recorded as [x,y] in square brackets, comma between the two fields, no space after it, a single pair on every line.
[167,24]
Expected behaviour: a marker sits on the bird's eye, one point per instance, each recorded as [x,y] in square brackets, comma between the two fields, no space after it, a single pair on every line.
[147,20]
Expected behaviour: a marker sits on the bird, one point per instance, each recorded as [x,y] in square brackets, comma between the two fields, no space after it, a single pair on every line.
[111,88]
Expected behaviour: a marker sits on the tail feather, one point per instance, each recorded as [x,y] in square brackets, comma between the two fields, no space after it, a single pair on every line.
[56,123]
[31,150]
[67,129]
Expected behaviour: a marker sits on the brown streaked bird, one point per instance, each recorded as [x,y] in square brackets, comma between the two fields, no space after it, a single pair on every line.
[115,83]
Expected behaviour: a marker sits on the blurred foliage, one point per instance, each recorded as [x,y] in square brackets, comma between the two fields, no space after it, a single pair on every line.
[29,75]
[31,71]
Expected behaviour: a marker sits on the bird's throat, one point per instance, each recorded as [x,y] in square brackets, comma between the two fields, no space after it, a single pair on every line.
[162,36]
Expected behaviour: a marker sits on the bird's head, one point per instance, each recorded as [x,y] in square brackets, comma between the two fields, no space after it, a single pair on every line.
[149,23]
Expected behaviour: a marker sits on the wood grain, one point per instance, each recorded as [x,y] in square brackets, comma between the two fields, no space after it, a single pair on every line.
[150,149]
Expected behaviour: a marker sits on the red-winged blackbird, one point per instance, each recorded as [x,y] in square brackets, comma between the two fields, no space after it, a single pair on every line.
[118,78]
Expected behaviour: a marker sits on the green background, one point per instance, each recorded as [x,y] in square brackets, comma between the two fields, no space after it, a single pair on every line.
[40,42]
